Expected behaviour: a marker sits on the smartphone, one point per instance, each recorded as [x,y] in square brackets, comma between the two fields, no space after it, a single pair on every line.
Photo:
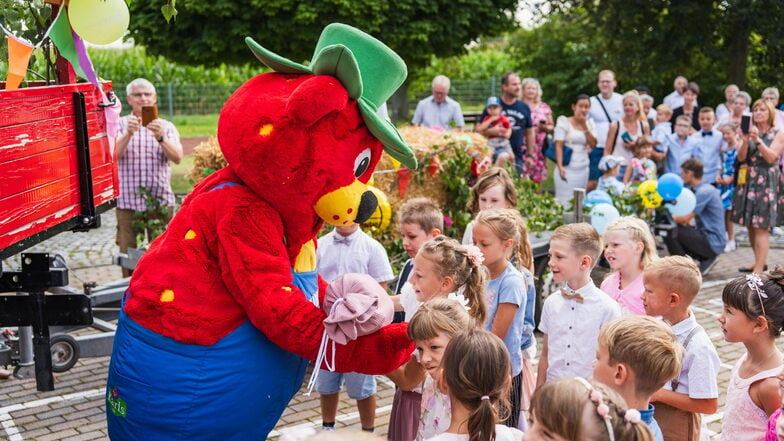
[745,123]
[626,137]
[149,114]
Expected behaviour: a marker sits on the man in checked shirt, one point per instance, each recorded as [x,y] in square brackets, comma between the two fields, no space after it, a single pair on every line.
[143,155]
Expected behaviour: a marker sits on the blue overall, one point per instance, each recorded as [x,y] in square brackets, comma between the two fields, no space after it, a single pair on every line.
[236,389]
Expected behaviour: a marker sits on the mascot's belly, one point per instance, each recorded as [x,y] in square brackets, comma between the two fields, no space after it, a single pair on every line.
[159,389]
[236,389]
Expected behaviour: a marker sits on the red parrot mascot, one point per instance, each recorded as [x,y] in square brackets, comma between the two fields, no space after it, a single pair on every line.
[221,318]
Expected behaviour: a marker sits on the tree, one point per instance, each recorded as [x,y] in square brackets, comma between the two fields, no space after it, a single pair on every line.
[212,32]
[713,40]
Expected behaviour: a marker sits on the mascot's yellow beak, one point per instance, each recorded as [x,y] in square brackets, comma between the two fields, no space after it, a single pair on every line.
[350,204]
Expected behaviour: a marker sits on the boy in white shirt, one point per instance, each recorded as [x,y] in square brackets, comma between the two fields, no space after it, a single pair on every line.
[671,284]
[571,320]
[349,250]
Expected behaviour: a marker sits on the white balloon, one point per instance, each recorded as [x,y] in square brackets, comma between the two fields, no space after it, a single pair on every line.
[684,203]
[602,215]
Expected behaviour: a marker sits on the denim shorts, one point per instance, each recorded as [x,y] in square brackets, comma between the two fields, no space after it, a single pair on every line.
[359,386]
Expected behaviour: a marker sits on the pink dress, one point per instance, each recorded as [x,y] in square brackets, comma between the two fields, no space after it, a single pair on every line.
[538,171]
[748,422]
[628,298]
[770,435]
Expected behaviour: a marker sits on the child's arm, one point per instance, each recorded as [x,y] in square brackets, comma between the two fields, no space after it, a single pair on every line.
[541,374]
[765,394]
[396,303]
[627,175]
[685,402]
[507,132]
[485,124]
[504,317]
[408,376]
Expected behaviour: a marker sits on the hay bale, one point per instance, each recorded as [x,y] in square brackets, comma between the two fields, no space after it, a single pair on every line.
[425,142]
[207,158]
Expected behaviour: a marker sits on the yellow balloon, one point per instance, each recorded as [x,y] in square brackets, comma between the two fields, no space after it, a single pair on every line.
[383,214]
[99,21]
[649,195]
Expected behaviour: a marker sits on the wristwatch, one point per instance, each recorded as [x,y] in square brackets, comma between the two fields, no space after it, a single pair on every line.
[161,139]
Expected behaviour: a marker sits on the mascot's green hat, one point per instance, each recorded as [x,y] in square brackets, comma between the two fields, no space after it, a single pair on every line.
[367,68]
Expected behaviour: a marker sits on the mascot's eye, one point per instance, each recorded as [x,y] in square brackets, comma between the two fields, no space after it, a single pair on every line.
[362,163]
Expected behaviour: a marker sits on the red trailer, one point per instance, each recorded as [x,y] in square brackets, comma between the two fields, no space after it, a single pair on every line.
[57,173]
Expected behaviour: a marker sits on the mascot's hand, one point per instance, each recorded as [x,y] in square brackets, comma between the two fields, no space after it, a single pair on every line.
[376,354]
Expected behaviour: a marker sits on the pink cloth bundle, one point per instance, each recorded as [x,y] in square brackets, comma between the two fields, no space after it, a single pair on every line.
[355,305]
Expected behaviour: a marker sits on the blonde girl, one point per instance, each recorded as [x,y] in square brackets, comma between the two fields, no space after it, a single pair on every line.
[431,329]
[493,189]
[442,267]
[623,133]
[472,374]
[576,409]
[628,247]
[501,235]
[753,314]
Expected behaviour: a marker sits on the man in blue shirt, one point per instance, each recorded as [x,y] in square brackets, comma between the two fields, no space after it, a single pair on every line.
[438,110]
[519,115]
[707,145]
[705,242]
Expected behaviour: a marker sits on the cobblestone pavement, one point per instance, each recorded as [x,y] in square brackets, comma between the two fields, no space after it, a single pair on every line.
[75,409]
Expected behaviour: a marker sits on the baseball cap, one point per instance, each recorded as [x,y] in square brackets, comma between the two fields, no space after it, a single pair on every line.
[610,161]
[493,101]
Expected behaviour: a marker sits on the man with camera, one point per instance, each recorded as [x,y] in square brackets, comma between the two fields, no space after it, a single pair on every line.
[145,145]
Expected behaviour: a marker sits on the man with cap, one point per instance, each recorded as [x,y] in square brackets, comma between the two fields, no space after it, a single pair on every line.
[438,110]
[610,166]
[502,148]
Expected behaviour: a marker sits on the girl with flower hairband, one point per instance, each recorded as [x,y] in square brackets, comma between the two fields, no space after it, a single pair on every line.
[501,235]
[576,409]
[753,314]
[443,268]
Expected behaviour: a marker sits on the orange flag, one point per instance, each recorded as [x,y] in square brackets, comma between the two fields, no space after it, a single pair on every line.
[18,59]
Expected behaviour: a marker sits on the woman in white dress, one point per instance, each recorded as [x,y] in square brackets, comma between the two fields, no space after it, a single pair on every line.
[579,133]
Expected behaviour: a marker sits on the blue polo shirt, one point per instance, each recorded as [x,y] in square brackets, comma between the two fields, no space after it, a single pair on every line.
[709,215]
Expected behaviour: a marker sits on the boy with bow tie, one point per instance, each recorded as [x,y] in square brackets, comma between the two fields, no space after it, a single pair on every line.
[707,145]
[572,319]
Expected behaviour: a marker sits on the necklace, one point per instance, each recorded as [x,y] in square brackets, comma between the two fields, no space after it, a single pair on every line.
[755,368]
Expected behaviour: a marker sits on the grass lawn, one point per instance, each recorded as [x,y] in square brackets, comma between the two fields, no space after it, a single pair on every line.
[191,126]
[179,181]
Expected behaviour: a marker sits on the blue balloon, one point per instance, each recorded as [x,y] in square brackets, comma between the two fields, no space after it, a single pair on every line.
[598,197]
[670,186]
[602,215]
[684,204]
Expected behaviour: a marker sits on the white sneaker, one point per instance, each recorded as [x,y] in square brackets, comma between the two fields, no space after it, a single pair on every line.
[731,246]
[777,231]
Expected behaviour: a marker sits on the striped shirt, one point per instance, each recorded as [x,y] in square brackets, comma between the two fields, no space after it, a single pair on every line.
[145,165]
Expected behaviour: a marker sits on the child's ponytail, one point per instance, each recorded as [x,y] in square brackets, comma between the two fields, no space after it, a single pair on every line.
[523,253]
[472,368]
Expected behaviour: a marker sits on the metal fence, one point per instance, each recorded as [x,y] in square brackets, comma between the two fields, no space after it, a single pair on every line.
[200,99]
